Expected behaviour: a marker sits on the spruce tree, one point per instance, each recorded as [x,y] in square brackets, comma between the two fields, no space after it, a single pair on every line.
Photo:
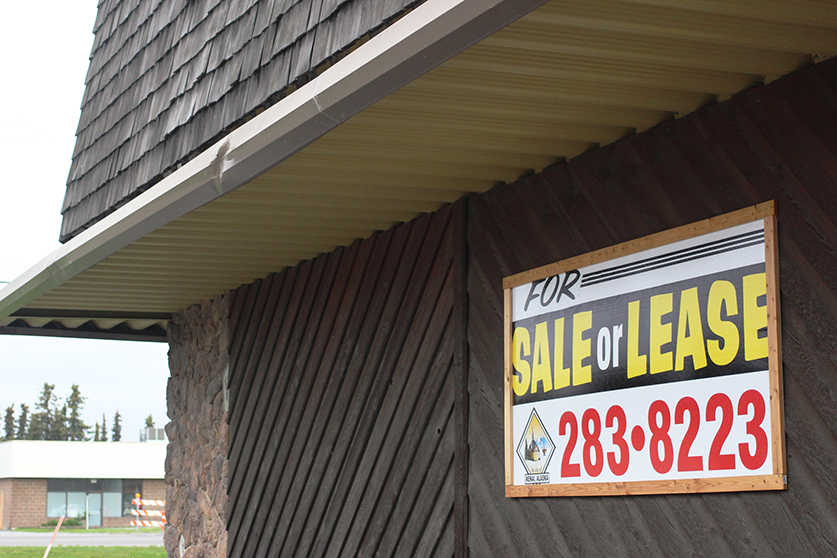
[9,423]
[96,436]
[36,427]
[117,427]
[58,425]
[104,435]
[40,427]
[76,429]
[23,423]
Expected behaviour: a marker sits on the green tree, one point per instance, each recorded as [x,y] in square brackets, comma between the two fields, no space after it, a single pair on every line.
[76,429]
[36,428]
[23,423]
[96,435]
[40,427]
[58,425]
[117,427]
[149,421]
[104,432]
[9,423]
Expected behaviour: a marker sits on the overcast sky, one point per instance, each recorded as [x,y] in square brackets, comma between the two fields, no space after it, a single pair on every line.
[44,52]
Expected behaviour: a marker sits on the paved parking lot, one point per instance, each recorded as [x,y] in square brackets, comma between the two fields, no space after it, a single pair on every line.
[13,538]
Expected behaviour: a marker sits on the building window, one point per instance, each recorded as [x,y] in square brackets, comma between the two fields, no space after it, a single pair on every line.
[68,497]
[112,497]
[130,489]
[76,504]
[56,504]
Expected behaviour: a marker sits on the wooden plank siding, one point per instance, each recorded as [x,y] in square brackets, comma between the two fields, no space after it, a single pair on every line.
[366,385]
[774,142]
[343,387]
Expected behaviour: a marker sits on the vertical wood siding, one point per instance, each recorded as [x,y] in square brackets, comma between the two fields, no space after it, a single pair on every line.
[774,142]
[342,385]
[352,432]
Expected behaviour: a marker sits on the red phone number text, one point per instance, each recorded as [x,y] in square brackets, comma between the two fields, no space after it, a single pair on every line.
[719,407]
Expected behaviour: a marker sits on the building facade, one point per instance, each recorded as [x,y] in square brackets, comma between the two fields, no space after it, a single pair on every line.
[92,482]
[315,204]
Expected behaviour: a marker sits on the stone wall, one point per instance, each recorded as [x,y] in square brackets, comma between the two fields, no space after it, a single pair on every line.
[196,464]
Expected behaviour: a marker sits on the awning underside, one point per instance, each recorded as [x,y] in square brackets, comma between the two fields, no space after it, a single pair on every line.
[564,79]
[145,326]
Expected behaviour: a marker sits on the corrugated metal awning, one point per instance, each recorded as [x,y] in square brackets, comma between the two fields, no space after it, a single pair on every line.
[565,78]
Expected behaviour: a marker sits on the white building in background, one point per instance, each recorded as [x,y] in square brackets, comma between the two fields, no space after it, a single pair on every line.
[40,481]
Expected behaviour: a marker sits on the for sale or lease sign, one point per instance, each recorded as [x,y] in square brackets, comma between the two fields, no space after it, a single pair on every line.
[649,367]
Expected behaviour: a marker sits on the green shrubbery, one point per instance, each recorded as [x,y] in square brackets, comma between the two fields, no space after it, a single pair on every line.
[69,522]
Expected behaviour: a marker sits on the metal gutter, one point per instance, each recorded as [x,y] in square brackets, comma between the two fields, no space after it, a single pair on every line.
[416,43]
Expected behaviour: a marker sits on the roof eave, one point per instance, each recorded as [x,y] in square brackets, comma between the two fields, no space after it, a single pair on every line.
[422,39]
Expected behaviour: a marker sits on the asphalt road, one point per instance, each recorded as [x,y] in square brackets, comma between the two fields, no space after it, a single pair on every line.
[13,538]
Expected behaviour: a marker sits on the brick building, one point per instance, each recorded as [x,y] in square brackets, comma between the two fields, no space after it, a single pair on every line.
[40,481]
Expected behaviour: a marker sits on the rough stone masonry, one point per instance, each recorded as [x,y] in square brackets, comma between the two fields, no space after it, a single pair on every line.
[196,463]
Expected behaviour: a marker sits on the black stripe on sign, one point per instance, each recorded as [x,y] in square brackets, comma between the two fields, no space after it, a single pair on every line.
[675,262]
[739,238]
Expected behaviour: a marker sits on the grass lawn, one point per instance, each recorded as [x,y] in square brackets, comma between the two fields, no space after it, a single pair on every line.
[84,552]
[91,531]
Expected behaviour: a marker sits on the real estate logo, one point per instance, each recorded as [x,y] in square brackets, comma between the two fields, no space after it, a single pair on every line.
[535,450]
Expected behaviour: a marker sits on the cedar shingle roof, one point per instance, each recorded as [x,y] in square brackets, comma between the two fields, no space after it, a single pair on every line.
[167,77]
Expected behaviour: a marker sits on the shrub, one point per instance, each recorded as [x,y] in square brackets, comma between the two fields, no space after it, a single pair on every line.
[69,522]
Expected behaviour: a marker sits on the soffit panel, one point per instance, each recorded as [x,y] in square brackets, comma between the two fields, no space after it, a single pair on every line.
[568,77]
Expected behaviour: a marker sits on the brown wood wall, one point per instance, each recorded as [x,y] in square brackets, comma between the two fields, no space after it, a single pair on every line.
[348,424]
[776,142]
[342,426]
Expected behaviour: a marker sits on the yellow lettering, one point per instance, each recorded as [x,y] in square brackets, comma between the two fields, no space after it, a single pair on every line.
[561,374]
[722,293]
[582,321]
[541,367]
[692,344]
[755,316]
[636,361]
[520,349]
[660,334]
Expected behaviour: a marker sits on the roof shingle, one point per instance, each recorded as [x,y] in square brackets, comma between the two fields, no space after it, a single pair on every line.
[166,77]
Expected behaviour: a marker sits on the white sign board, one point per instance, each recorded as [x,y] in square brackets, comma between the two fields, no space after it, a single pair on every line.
[648,367]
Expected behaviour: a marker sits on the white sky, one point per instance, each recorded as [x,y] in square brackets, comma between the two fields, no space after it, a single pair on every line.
[44,53]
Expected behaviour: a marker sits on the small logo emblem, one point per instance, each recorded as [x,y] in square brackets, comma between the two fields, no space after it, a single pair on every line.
[535,449]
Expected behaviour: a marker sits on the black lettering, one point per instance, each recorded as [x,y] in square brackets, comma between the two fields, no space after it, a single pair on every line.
[568,284]
[531,296]
[554,291]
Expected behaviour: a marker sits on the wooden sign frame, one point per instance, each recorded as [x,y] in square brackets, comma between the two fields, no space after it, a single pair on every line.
[778,479]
